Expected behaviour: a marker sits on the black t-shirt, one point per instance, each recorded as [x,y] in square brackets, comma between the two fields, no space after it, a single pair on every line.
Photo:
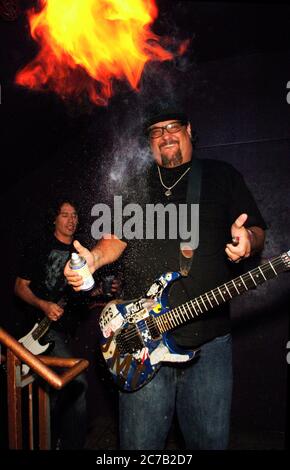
[224,196]
[42,262]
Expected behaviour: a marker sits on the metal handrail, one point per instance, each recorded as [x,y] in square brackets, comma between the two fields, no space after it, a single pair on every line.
[38,364]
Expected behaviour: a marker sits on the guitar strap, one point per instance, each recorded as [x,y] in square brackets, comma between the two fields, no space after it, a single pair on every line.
[189,245]
[194,182]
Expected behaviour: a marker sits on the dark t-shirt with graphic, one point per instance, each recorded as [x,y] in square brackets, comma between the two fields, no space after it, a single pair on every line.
[42,262]
[224,196]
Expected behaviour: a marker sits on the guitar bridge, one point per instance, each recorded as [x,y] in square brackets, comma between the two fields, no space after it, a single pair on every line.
[129,340]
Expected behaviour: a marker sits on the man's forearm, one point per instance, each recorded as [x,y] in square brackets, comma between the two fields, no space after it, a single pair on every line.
[25,293]
[107,251]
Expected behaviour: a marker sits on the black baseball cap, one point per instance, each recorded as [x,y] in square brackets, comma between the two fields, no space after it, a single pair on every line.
[165,115]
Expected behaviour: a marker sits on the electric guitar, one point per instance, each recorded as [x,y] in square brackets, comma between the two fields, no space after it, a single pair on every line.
[134,339]
[31,340]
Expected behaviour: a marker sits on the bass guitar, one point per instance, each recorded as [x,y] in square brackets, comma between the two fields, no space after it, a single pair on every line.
[31,340]
[135,340]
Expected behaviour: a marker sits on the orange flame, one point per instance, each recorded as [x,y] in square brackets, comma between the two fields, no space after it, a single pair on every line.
[85,44]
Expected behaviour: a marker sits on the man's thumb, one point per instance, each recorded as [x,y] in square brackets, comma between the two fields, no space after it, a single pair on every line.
[239,222]
[77,245]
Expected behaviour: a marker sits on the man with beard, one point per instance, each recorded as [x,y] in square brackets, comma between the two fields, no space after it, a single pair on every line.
[42,287]
[231,229]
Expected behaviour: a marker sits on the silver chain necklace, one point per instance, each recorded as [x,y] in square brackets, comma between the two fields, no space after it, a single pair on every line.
[168,191]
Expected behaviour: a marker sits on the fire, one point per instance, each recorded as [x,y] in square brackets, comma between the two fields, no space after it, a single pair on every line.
[86,44]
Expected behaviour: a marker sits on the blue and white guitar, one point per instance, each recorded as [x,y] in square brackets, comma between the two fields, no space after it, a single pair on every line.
[134,339]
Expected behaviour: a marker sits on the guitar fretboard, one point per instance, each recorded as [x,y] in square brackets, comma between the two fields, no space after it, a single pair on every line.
[42,328]
[213,298]
[45,322]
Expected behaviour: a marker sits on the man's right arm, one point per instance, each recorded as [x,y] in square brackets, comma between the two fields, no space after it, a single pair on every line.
[50,309]
[107,251]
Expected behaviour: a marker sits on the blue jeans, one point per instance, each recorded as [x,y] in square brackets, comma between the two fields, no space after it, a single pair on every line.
[68,406]
[200,392]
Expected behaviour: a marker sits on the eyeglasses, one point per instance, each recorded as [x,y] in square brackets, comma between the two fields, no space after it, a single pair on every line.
[172,128]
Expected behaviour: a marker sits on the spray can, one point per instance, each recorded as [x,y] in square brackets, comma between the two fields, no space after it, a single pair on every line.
[79,264]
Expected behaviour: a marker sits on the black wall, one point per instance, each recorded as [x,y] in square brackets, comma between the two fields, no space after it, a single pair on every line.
[242,117]
[239,110]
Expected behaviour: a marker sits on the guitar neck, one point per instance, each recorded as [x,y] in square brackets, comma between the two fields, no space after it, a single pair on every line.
[46,322]
[213,298]
[41,329]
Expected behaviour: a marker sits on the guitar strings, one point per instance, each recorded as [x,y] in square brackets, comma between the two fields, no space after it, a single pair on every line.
[131,335]
[152,321]
[275,262]
[32,340]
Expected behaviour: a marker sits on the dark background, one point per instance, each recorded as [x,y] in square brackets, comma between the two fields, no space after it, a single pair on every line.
[233,83]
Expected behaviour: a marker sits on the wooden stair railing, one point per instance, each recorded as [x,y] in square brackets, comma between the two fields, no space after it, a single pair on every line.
[16,355]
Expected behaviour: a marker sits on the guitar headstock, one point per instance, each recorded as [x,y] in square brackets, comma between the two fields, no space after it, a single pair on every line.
[286,259]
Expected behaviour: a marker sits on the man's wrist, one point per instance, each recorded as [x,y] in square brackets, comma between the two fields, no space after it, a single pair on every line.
[42,304]
[97,259]
[251,238]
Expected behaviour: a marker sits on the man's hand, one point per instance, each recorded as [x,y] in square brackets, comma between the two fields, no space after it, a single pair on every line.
[243,236]
[52,310]
[74,279]
[116,287]
[107,250]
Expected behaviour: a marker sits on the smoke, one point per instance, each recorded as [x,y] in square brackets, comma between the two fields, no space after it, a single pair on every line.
[129,156]
[121,152]
[121,156]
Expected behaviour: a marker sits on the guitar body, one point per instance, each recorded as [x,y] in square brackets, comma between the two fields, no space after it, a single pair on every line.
[33,345]
[132,344]
[135,342]
[30,341]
